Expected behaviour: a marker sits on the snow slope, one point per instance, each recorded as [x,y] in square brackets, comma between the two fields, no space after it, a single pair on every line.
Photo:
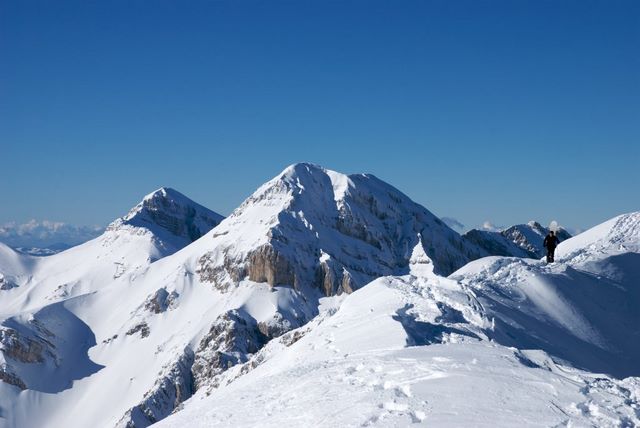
[617,236]
[496,344]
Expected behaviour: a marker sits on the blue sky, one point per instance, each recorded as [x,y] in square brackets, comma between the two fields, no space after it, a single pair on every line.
[480,110]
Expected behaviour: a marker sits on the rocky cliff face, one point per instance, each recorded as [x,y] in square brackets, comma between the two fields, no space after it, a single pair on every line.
[6,283]
[7,377]
[174,385]
[20,348]
[231,340]
[312,227]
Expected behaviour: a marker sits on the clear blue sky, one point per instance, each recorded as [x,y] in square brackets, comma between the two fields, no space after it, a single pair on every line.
[480,110]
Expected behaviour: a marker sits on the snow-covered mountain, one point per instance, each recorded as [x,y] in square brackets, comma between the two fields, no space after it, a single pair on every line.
[521,240]
[43,341]
[314,227]
[164,222]
[308,232]
[173,219]
[501,342]
[319,300]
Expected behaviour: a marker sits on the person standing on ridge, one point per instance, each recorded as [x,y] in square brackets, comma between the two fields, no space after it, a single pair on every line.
[551,241]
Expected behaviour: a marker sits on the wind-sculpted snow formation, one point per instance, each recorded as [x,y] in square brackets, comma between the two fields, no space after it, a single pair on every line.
[320,300]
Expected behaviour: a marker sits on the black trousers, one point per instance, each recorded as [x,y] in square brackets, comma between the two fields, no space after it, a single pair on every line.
[550,254]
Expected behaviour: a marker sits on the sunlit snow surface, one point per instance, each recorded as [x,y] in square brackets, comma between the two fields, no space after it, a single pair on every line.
[500,342]
[389,358]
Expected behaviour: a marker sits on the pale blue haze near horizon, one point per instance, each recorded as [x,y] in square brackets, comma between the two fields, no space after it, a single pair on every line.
[504,111]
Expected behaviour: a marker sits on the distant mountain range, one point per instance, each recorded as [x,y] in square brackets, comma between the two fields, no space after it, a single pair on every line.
[43,238]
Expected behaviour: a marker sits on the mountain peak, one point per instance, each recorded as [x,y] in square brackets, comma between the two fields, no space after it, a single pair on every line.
[313,226]
[169,214]
[301,168]
[164,192]
[535,225]
[167,194]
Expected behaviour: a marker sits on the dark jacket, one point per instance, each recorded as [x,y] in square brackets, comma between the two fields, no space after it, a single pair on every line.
[551,241]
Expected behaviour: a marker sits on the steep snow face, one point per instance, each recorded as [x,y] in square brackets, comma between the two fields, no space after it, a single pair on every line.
[617,236]
[171,217]
[522,240]
[406,350]
[313,227]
